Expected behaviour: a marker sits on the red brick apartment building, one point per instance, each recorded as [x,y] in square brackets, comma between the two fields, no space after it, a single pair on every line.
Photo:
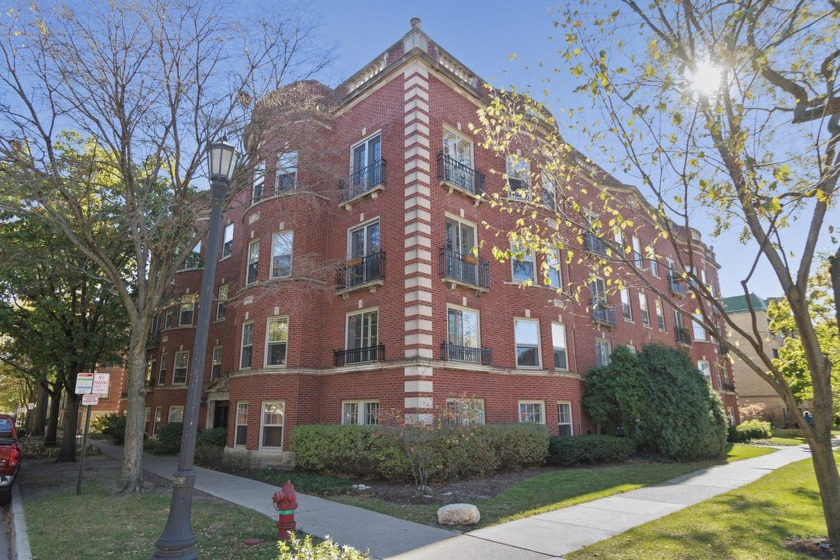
[348,285]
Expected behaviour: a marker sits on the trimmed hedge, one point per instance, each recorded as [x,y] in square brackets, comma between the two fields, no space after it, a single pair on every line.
[169,439]
[459,451]
[215,437]
[569,451]
[750,430]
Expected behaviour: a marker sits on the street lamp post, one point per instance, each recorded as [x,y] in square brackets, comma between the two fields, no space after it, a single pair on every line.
[178,539]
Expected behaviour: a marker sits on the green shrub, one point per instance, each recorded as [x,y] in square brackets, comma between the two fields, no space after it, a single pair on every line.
[750,430]
[210,457]
[111,425]
[216,437]
[169,439]
[568,451]
[518,445]
[295,548]
[463,452]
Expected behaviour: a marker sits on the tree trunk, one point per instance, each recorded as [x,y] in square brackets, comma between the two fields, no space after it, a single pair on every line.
[52,419]
[131,475]
[825,468]
[38,416]
[70,426]
[834,274]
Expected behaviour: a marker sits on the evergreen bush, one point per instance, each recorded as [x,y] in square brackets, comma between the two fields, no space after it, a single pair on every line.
[567,451]
[169,439]
[111,425]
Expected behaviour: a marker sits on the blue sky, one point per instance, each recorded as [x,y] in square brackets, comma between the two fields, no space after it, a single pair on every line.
[504,43]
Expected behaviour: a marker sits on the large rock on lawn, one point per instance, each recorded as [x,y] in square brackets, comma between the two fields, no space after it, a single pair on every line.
[458,514]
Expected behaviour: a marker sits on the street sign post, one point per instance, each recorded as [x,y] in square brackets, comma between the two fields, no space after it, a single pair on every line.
[91,386]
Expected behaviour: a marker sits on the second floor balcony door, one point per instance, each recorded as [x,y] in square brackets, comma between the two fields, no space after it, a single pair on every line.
[365,156]
[459,150]
[364,242]
[460,240]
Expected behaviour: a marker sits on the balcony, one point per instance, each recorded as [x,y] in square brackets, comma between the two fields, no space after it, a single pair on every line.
[459,176]
[603,313]
[675,285]
[592,244]
[359,355]
[465,269]
[370,179]
[361,272]
[683,336]
[457,353]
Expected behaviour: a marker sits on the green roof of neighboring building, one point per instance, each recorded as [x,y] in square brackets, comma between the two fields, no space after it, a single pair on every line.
[738,304]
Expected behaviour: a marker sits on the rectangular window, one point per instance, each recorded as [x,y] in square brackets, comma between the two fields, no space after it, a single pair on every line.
[706,369]
[364,241]
[286,174]
[157,420]
[362,336]
[558,341]
[462,331]
[247,345]
[597,292]
[253,261]
[458,165]
[697,327]
[167,322]
[227,241]
[564,419]
[553,278]
[186,311]
[644,313]
[638,259]
[162,371]
[464,412]
[216,367]
[549,191]
[367,166]
[179,370]
[626,308]
[273,415]
[518,172]
[150,372]
[176,414]
[603,350]
[193,261]
[147,415]
[531,411]
[277,336]
[527,334]
[258,190]
[522,262]
[281,254]
[364,413]
[654,266]
[221,303]
[660,316]
[241,435]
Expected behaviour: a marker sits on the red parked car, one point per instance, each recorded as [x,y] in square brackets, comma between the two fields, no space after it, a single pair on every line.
[9,457]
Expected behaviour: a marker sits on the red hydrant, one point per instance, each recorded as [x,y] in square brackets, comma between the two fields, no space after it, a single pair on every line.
[285,502]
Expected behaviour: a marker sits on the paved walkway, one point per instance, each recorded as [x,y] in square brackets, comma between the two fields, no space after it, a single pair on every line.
[544,536]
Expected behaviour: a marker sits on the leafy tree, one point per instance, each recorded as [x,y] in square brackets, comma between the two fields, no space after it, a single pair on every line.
[727,112]
[151,84]
[660,400]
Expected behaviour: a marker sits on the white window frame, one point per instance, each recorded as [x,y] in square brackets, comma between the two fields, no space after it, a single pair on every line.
[603,345]
[186,368]
[286,165]
[365,336]
[363,227]
[147,415]
[216,363]
[157,420]
[528,258]
[553,274]
[465,411]
[269,342]
[638,257]
[264,424]
[221,303]
[522,415]
[560,417]
[651,257]
[281,241]
[258,182]
[518,169]
[175,410]
[227,242]
[187,308]
[240,407]
[247,328]
[161,375]
[559,344]
[626,306]
[549,191]
[527,343]
[366,412]
[698,331]
[463,339]
[705,369]
[253,260]
[644,311]
[660,315]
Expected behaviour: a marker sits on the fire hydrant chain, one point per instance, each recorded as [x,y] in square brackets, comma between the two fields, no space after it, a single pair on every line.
[285,502]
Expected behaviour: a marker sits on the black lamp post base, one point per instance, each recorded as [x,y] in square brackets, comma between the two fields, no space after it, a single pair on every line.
[178,540]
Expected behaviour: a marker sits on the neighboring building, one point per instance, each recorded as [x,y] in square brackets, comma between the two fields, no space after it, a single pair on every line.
[356,277]
[752,389]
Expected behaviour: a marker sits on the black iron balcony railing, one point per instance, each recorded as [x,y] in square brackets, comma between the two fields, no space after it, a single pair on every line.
[457,353]
[723,349]
[359,271]
[359,355]
[683,336]
[462,176]
[729,387]
[675,285]
[363,180]
[603,313]
[464,267]
[592,244]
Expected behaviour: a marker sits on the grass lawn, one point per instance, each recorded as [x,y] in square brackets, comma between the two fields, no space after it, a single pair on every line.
[98,524]
[750,522]
[554,490]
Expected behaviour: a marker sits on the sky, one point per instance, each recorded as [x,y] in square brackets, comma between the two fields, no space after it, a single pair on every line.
[504,43]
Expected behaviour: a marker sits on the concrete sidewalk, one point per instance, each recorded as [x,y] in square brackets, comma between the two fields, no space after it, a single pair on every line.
[548,535]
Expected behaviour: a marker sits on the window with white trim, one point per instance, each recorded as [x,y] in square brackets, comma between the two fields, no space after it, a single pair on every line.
[150,372]
[186,311]
[558,341]
[638,259]
[221,302]
[362,336]
[286,172]
[626,308]
[240,436]
[156,422]
[603,351]
[553,276]
[527,335]
[654,265]
[462,334]
[227,241]
[216,363]
[146,416]
[531,411]
[162,371]
[706,369]
[167,321]
[258,189]
[276,341]
[179,369]
[644,313]
[518,172]
[364,240]
[549,191]
[273,420]
[281,254]
[464,412]
[253,261]
[458,169]
[522,263]
[247,345]
[660,315]
[697,327]
[564,419]
[366,167]
[363,413]
[176,414]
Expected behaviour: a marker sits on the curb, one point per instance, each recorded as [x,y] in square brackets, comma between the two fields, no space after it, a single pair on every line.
[19,538]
